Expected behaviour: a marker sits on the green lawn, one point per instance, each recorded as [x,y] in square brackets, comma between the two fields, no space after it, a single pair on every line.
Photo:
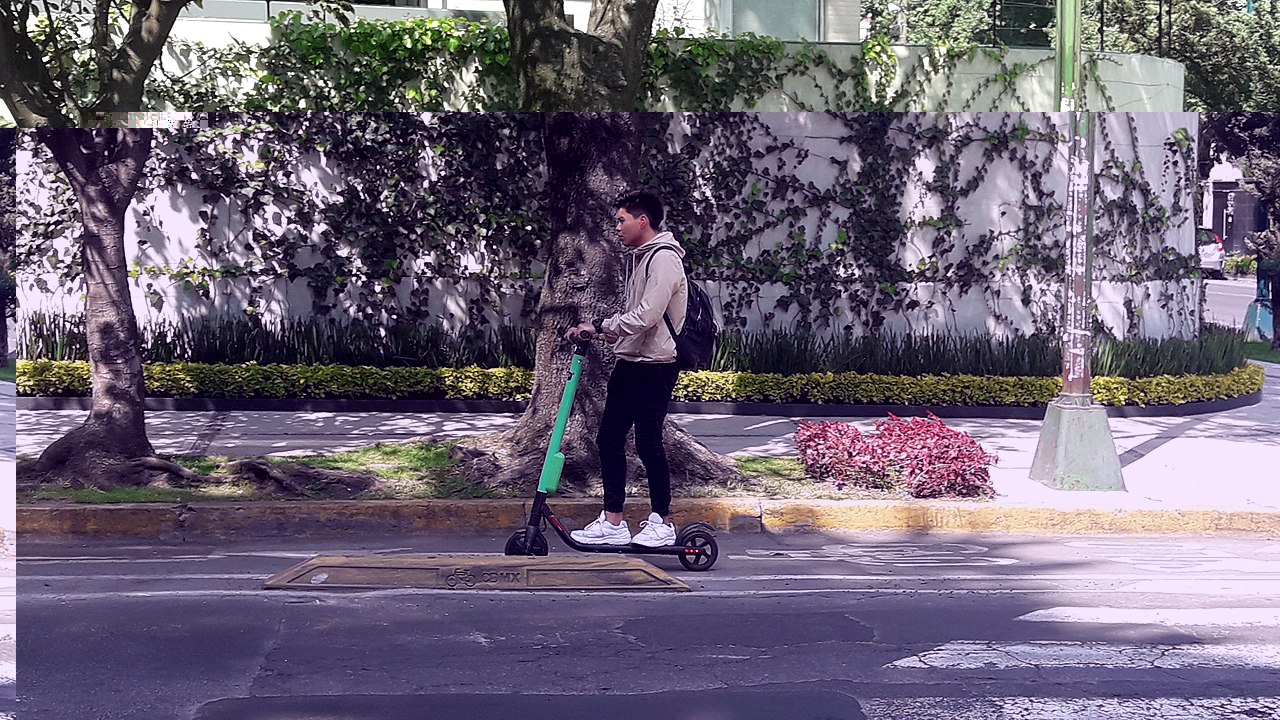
[9,372]
[1261,351]
[408,471]
[425,471]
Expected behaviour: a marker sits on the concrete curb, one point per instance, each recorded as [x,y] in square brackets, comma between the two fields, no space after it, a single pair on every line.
[732,515]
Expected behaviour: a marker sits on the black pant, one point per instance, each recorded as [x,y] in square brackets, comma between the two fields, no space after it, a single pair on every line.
[638,394]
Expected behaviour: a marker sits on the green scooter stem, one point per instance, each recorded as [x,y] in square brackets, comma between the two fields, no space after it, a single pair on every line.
[553,465]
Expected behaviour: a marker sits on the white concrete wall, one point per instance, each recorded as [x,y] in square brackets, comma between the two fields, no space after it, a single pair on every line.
[996,207]
[993,208]
[1133,83]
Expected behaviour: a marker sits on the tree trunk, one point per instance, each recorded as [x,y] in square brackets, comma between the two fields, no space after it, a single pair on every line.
[560,68]
[1275,310]
[8,235]
[104,167]
[591,162]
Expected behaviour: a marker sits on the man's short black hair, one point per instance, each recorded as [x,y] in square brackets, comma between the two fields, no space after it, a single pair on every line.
[643,203]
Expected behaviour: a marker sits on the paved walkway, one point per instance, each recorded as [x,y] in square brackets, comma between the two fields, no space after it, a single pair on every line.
[7,439]
[8,506]
[1224,460]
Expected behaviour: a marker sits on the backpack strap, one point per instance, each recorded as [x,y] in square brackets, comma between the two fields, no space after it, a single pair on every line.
[665,318]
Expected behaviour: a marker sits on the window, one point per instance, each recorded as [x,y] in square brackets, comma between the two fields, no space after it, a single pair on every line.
[815,20]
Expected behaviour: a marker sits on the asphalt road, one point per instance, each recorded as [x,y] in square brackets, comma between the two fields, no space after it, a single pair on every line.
[878,626]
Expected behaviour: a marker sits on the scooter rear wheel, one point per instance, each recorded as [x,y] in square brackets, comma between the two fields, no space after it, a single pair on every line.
[705,543]
[516,544]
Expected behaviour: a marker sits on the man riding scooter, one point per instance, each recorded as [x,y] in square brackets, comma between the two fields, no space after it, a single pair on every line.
[644,376]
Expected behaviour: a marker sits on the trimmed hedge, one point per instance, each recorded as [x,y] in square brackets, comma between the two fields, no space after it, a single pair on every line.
[49,378]
[960,390]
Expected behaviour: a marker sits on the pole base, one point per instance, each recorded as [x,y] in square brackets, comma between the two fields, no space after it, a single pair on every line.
[1257,321]
[1076,450]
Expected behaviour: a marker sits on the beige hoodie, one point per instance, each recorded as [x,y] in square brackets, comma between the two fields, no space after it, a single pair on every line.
[643,336]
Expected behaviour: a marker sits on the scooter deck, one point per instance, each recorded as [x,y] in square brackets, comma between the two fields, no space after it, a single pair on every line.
[628,549]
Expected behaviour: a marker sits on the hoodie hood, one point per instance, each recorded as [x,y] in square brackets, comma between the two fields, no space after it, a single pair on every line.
[662,238]
[637,255]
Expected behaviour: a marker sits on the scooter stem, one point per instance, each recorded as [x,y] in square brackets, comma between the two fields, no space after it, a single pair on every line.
[553,465]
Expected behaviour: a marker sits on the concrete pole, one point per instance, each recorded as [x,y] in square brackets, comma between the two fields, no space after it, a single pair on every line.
[1068,66]
[1076,450]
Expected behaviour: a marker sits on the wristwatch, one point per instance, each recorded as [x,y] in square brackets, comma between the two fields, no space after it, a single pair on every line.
[598,323]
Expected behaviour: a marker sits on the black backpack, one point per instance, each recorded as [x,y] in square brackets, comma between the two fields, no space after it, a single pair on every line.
[696,341]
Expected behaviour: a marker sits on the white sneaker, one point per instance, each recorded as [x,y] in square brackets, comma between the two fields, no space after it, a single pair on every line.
[603,532]
[655,533]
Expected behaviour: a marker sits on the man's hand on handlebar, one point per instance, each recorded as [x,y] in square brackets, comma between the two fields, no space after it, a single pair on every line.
[585,331]
[577,333]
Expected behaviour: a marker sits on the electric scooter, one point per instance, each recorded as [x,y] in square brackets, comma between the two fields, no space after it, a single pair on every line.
[695,543]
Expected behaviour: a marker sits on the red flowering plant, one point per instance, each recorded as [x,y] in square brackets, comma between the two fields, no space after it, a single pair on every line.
[921,455]
[839,454]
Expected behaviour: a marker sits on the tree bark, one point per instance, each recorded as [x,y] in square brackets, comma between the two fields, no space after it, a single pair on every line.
[8,235]
[1275,310]
[591,162]
[104,168]
[560,68]
[131,63]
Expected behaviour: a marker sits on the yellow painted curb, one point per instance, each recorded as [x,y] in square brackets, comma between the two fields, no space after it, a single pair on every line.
[127,520]
[267,519]
[730,515]
[784,516]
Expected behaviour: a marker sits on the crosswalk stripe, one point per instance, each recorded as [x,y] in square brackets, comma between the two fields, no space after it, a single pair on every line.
[1199,617]
[977,654]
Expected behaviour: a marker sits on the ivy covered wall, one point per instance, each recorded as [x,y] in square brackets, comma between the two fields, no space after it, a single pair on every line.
[843,222]
[448,63]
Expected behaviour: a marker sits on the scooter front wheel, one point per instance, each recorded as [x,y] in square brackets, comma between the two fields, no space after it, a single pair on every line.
[516,544]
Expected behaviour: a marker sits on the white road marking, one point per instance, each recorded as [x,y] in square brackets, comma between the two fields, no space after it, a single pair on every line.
[1047,577]
[30,597]
[1190,617]
[715,579]
[143,578]
[1050,708]
[107,560]
[1206,586]
[757,426]
[1173,556]
[283,554]
[976,654]
[891,554]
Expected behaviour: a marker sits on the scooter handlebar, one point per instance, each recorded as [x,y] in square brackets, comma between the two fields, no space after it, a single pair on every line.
[583,343]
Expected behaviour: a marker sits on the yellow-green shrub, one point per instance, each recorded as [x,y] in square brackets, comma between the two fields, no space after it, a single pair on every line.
[61,378]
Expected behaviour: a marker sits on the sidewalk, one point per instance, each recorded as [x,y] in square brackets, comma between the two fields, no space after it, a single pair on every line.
[8,502]
[1213,472]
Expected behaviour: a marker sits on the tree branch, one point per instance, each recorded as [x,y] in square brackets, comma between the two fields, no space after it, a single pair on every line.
[101,43]
[65,144]
[149,28]
[29,91]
